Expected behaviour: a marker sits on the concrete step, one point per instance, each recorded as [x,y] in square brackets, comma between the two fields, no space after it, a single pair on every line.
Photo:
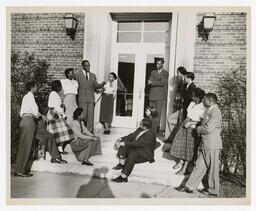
[159,172]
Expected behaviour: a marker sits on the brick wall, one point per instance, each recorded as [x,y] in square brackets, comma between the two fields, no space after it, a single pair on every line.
[223,50]
[44,35]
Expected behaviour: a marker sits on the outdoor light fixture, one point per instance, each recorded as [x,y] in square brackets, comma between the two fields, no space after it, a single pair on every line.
[71,23]
[206,25]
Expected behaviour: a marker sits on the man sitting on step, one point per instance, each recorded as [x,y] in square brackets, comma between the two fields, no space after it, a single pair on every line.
[137,147]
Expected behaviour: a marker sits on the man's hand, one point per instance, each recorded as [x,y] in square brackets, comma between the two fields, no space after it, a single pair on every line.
[149,82]
[187,124]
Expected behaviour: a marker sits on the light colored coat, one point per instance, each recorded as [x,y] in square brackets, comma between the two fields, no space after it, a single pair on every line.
[86,87]
[158,88]
[210,129]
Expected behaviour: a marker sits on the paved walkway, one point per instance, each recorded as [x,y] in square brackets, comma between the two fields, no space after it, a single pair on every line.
[52,185]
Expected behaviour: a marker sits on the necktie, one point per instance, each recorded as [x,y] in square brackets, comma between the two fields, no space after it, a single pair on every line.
[87,78]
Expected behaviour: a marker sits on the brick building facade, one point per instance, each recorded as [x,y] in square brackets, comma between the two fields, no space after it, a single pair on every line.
[44,34]
[224,50]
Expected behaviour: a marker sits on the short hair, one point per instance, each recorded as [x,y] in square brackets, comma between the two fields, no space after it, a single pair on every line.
[77,113]
[182,70]
[147,123]
[85,61]
[56,86]
[199,93]
[212,97]
[153,111]
[114,75]
[29,85]
[190,75]
[159,59]
[68,70]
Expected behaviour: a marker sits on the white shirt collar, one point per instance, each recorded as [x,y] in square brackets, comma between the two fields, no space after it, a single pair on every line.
[212,107]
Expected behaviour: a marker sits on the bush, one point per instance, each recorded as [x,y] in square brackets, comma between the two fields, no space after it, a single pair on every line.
[232,102]
[25,67]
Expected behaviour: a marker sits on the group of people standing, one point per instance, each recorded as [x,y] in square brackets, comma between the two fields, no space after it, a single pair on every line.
[194,139]
[67,118]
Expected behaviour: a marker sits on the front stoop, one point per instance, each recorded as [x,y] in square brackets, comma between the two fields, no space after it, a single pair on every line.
[159,172]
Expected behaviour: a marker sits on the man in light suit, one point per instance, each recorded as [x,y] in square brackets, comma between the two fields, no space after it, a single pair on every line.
[137,147]
[158,81]
[207,163]
[87,86]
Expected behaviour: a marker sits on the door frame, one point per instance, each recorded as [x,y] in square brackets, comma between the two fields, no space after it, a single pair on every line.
[140,50]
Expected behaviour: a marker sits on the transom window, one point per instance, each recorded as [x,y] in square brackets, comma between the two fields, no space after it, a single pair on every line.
[143,31]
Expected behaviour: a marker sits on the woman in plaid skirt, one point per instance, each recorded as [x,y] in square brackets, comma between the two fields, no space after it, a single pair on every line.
[185,140]
[57,125]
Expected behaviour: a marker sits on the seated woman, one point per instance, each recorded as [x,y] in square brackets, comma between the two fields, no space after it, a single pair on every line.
[185,140]
[47,139]
[85,144]
[56,118]
[137,147]
[152,114]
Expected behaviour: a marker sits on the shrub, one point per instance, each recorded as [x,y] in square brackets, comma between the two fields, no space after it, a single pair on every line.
[232,102]
[25,67]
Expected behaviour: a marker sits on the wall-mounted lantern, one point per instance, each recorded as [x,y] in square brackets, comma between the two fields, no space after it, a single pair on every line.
[71,23]
[206,25]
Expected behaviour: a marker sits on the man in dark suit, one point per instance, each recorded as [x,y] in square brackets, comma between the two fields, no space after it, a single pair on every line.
[190,86]
[158,81]
[138,147]
[207,163]
[87,86]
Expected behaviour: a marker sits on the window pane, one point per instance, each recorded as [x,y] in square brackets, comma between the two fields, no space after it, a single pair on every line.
[155,36]
[156,26]
[125,84]
[128,37]
[129,26]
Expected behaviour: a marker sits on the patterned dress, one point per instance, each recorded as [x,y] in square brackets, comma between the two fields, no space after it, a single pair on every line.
[186,139]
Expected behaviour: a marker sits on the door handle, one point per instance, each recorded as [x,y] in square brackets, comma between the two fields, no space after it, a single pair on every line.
[140,90]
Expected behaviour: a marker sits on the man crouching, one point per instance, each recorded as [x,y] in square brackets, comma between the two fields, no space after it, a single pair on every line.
[137,147]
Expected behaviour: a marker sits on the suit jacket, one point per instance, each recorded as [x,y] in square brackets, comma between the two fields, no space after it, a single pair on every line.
[144,145]
[210,129]
[86,87]
[187,98]
[158,88]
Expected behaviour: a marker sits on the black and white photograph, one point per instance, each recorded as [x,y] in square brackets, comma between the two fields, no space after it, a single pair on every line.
[149,103]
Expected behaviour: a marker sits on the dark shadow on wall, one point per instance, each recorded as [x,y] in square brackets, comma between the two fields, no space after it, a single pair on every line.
[97,187]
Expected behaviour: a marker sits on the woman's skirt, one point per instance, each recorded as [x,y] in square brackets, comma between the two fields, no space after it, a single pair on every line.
[106,108]
[184,143]
[60,129]
[85,148]
[71,105]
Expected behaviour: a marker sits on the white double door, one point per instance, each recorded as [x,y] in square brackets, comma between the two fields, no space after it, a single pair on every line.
[133,64]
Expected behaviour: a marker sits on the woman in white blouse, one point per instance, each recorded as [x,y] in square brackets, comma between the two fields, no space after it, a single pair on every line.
[57,119]
[107,102]
[70,87]
[186,140]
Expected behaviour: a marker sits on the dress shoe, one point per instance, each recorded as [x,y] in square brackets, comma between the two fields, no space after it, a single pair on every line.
[118,166]
[64,152]
[184,189]
[106,132]
[88,163]
[180,188]
[63,161]
[177,165]
[120,179]
[55,160]
[22,175]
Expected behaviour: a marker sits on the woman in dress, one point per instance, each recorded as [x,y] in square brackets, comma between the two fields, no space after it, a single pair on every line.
[152,114]
[56,118]
[107,102]
[185,140]
[85,144]
[70,87]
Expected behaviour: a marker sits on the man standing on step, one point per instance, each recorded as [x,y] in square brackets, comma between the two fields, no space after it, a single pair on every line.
[158,81]
[138,147]
[87,86]
[207,163]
